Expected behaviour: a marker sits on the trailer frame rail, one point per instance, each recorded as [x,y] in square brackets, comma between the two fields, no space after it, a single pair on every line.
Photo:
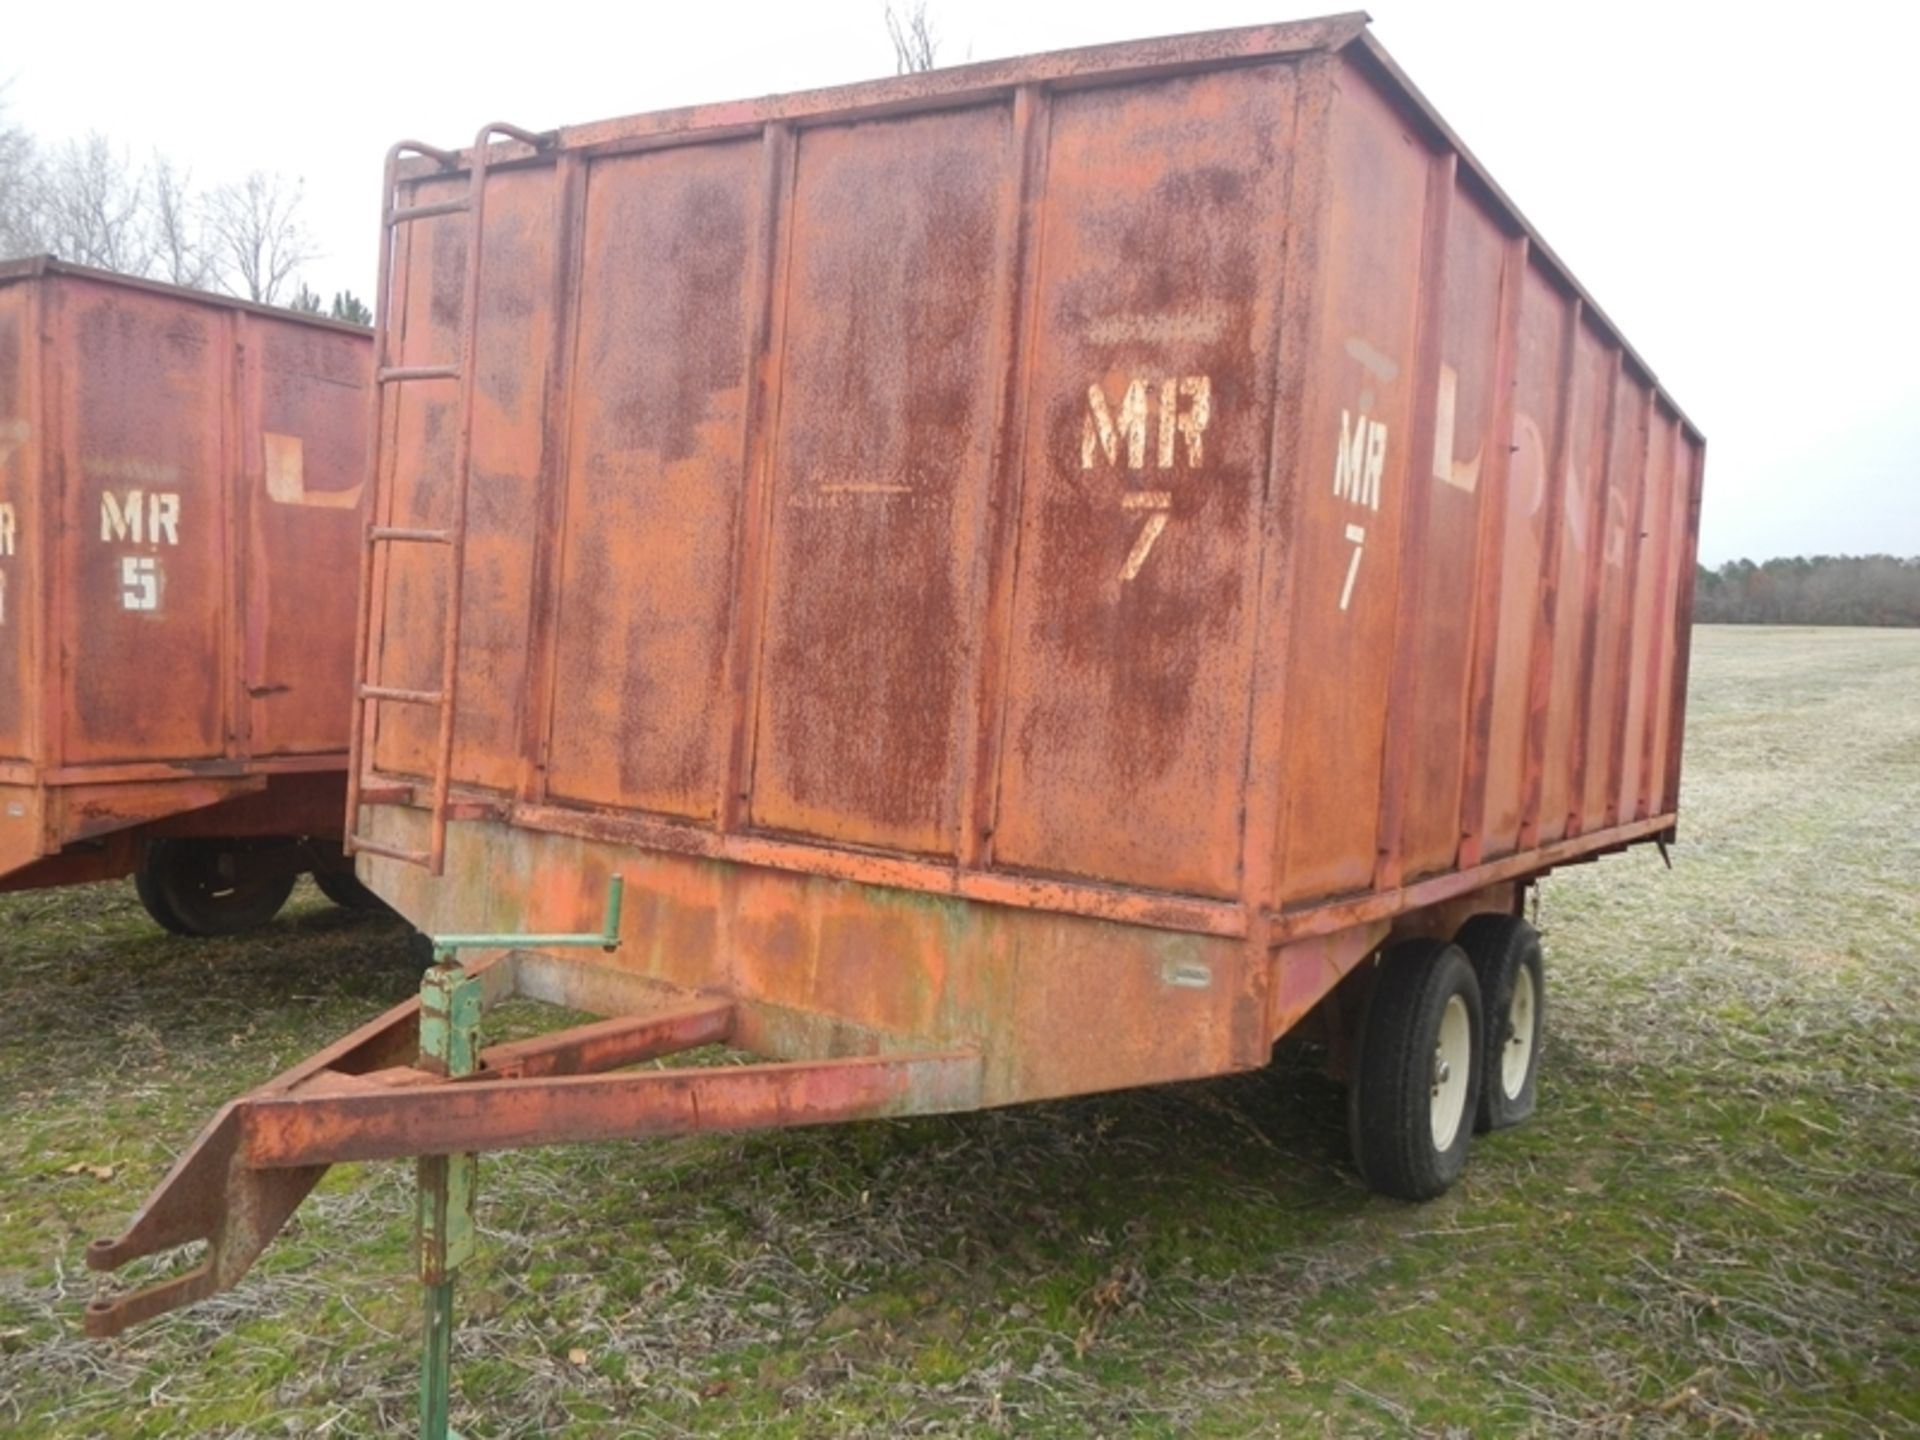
[415,1081]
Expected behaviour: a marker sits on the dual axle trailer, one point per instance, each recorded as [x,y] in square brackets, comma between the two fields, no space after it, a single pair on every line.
[1027,579]
[180,525]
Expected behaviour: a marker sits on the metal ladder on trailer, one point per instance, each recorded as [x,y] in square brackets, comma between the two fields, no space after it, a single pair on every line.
[452,538]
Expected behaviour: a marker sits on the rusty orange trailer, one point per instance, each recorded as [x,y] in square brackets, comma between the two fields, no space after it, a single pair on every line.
[1038,577]
[180,477]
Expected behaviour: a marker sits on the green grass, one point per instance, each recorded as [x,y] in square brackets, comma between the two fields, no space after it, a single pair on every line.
[1712,1226]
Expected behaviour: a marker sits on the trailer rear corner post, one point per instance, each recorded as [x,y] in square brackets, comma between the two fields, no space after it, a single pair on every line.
[451,1004]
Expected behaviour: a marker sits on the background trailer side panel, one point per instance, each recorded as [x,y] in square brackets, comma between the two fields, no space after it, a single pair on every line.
[180,481]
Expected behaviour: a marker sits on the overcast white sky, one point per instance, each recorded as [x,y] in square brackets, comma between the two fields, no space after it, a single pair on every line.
[1732,183]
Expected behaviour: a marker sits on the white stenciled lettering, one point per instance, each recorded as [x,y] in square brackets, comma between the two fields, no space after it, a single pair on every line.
[1102,434]
[8,539]
[1190,420]
[1360,459]
[123,521]
[1157,504]
[1529,463]
[1185,404]
[1356,537]
[163,518]
[1575,503]
[1185,409]
[141,517]
[1445,468]
[286,476]
[1618,523]
[139,582]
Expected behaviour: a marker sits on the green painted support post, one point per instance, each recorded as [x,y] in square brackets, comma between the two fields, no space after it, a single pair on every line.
[451,1002]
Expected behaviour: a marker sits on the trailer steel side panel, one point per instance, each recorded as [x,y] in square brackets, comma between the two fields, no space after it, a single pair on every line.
[180,481]
[1058,556]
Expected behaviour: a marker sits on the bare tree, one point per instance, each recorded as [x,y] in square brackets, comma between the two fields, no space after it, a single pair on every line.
[916,45]
[19,188]
[91,207]
[259,235]
[176,220]
[89,203]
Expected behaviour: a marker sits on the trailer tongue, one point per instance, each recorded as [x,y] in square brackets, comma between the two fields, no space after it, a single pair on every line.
[418,1082]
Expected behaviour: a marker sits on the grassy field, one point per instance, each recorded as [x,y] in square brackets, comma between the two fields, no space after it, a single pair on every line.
[1712,1226]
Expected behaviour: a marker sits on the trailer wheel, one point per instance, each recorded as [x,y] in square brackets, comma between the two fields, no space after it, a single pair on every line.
[188,888]
[1411,1103]
[1505,951]
[344,889]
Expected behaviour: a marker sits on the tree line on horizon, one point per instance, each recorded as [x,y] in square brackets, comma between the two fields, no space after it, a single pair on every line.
[1810,590]
[92,203]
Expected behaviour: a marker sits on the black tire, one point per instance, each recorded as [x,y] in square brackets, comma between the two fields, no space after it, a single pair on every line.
[183,887]
[1503,949]
[1399,1085]
[344,889]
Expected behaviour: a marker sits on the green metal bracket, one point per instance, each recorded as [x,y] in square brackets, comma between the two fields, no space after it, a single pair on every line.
[606,938]
[451,1002]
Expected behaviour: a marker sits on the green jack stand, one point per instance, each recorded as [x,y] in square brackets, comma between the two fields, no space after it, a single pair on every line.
[451,1002]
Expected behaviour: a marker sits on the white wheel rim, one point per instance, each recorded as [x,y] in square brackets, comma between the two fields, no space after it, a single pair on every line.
[1523,1023]
[1452,1066]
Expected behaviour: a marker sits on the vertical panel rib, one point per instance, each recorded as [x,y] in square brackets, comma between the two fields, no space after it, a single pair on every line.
[1489,568]
[1543,648]
[997,548]
[547,573]
[1388,857]
[763,420]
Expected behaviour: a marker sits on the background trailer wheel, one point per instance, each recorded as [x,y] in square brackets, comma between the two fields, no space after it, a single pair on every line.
[1410,1105]
[213,887]
[1505,951]
[340,885]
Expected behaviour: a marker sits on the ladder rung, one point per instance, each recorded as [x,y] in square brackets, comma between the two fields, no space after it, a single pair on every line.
[364,846]
[403,213]
[390,373]
[405,697]
[401,532]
